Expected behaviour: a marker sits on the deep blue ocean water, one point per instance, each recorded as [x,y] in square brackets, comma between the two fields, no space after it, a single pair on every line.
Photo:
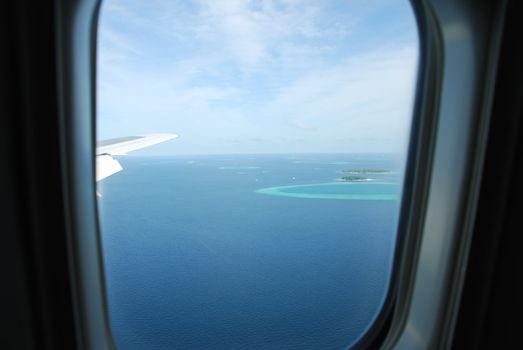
[196,258]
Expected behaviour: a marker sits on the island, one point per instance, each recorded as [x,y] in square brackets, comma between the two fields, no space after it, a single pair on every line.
[354,178]
[365,171]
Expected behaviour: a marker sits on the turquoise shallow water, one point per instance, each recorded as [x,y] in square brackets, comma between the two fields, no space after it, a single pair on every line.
[381,191]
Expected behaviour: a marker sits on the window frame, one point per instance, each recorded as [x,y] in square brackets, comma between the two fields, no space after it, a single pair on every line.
[451,35]
[437,241]
[77,23]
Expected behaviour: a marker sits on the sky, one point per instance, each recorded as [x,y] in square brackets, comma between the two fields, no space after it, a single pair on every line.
[235,76]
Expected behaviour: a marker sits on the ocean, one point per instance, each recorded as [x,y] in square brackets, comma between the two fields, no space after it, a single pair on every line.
[247,251]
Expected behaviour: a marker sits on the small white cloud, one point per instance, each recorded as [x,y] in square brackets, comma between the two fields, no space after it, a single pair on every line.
[300,125]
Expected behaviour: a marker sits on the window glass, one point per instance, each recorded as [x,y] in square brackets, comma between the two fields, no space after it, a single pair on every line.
[270,221]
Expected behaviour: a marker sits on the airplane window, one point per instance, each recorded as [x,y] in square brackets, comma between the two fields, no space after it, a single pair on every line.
[250,168]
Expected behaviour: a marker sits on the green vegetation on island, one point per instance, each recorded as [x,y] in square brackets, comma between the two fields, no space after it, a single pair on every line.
[354,178]
[366,171]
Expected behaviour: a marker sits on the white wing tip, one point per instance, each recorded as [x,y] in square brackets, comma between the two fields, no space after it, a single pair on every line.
[163,136]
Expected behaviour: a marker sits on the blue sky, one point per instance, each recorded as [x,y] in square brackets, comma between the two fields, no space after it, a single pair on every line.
[258,76]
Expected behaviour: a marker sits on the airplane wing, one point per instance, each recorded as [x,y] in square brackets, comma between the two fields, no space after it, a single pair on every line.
[106,165]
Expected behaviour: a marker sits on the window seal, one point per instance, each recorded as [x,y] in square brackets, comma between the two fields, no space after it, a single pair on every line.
[462,40]
[76,30]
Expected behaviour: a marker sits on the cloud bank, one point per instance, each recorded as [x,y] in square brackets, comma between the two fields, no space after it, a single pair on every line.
[293,76]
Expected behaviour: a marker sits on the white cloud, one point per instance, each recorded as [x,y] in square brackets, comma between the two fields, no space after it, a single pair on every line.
[255,32]
[300,125]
